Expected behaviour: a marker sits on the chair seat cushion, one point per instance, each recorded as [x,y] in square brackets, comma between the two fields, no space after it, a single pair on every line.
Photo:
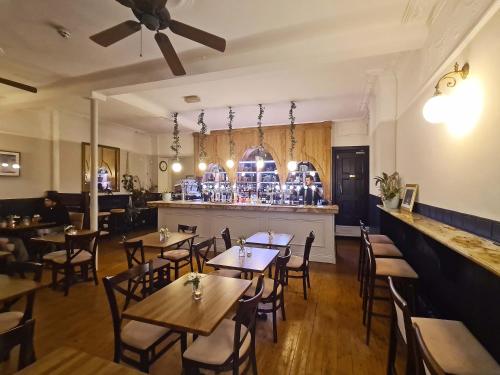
[295,262]
[268,288]
[454,348]
[83,256]
[227,273]
[395,267]
[218,347]
[9,320]
[54,254]
[386,250]
[379,238]
[175,255]
[141,335]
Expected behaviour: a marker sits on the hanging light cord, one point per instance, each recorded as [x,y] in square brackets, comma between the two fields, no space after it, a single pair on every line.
[176,144]
[291,116]
[230,127]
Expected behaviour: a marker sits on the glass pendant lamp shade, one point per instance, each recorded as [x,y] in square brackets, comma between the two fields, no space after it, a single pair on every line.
[177,166]
[260,163]
[202,166]
[292,165]
[230,163]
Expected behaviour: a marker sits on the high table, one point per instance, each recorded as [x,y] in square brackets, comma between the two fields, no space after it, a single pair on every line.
[66,360]
[244,219]
[459,272]
[174,307]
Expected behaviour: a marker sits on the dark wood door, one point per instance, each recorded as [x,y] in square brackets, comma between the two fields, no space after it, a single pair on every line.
[350,188]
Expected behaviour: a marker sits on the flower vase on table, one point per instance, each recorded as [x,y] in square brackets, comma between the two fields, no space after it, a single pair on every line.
[241,243]
[164,234]
[194,279]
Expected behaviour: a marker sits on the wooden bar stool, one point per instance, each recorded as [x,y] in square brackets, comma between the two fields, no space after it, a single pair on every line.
[435,346]
[383,249]
[381,269]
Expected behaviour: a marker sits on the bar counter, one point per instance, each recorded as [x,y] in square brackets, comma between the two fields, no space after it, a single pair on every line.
[246,219]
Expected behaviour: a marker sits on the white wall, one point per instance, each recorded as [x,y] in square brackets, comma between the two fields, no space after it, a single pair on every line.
[350,133]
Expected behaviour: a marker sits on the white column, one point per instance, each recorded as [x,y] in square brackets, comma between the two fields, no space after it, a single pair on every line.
[94,155]
[55,136]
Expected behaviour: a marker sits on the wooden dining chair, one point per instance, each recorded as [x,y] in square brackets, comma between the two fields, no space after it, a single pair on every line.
[380,269]
[226,237]
[134,251]
[10,319]
[182,255]
[426,364]
[147,341]
[81,251]
[230,345]
[21,335]
[76,219]
[300,265]
[273,297]
[202,255]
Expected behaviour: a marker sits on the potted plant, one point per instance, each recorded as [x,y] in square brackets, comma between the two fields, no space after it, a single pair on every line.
[389,187]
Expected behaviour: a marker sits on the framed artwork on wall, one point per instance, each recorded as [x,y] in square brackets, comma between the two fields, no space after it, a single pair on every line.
[108,168]
[10,163]
[409,195]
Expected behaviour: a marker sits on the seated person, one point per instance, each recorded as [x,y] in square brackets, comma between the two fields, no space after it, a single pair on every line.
[310,192]
[54,211]
[16,247]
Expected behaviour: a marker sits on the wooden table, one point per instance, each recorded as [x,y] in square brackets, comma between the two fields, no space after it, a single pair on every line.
[4,254]
[153,240]
[263,239]
[57,238]
[174,307]
[66,360]
[259,260]
[12,287]
[23,228]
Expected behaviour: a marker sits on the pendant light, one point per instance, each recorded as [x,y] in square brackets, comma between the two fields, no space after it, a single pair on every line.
[176,145]
[259,159]
[202,165]
[292,164]
[230,161]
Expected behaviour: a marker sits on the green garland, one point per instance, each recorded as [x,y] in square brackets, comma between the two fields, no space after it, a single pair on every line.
[203,135]
[261,131]
[176,142]
[291,116]
[230,127]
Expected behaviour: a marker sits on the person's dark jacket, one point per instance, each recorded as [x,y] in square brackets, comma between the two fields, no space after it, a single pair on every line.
[57,214]
[310,196]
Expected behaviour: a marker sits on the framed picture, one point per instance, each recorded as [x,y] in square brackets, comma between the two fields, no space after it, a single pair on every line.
[108,168]
[409,195]
[10,163]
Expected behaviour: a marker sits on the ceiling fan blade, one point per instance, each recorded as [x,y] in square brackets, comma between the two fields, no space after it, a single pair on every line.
[116,33]
[127,3]
[200,36]
[18,85]
[149,6]
[170,55]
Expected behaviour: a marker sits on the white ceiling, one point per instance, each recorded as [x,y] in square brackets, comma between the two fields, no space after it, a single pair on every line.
[318,52]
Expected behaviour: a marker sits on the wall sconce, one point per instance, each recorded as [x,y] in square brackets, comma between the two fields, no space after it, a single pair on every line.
[438,107]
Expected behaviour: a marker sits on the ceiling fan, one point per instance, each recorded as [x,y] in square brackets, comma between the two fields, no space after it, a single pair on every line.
[154,15]
[18,85]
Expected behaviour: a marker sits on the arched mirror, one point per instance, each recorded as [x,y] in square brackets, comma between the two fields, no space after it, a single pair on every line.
[257,177]
[215,183]
[297,179]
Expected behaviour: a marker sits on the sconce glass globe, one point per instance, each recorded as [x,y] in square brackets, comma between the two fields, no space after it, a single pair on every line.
[292,165]
[177,167]
[437,109]
[260,163]
[202,166]
[230,163]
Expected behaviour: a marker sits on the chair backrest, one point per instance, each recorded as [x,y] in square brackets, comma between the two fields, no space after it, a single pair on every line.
[201,252]
[76,243]
[426,364]
[402,312]
[134,252]
[76,219]
[280,271]
[246,315]
[21,269]
[20,335]
[187,228]
[113,284]
[226,236]
[307,247]
[363,232]
[372,266]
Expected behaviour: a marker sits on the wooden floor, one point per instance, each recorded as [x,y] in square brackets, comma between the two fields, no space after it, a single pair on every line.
[322,335]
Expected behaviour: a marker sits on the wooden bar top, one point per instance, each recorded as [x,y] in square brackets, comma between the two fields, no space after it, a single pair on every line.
[479,250]
[332,210]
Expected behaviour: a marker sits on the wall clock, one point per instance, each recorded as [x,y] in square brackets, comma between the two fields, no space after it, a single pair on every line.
[163,166]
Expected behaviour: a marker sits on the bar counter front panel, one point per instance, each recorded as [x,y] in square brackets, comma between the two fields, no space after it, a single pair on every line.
[247,219]
[452,286]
